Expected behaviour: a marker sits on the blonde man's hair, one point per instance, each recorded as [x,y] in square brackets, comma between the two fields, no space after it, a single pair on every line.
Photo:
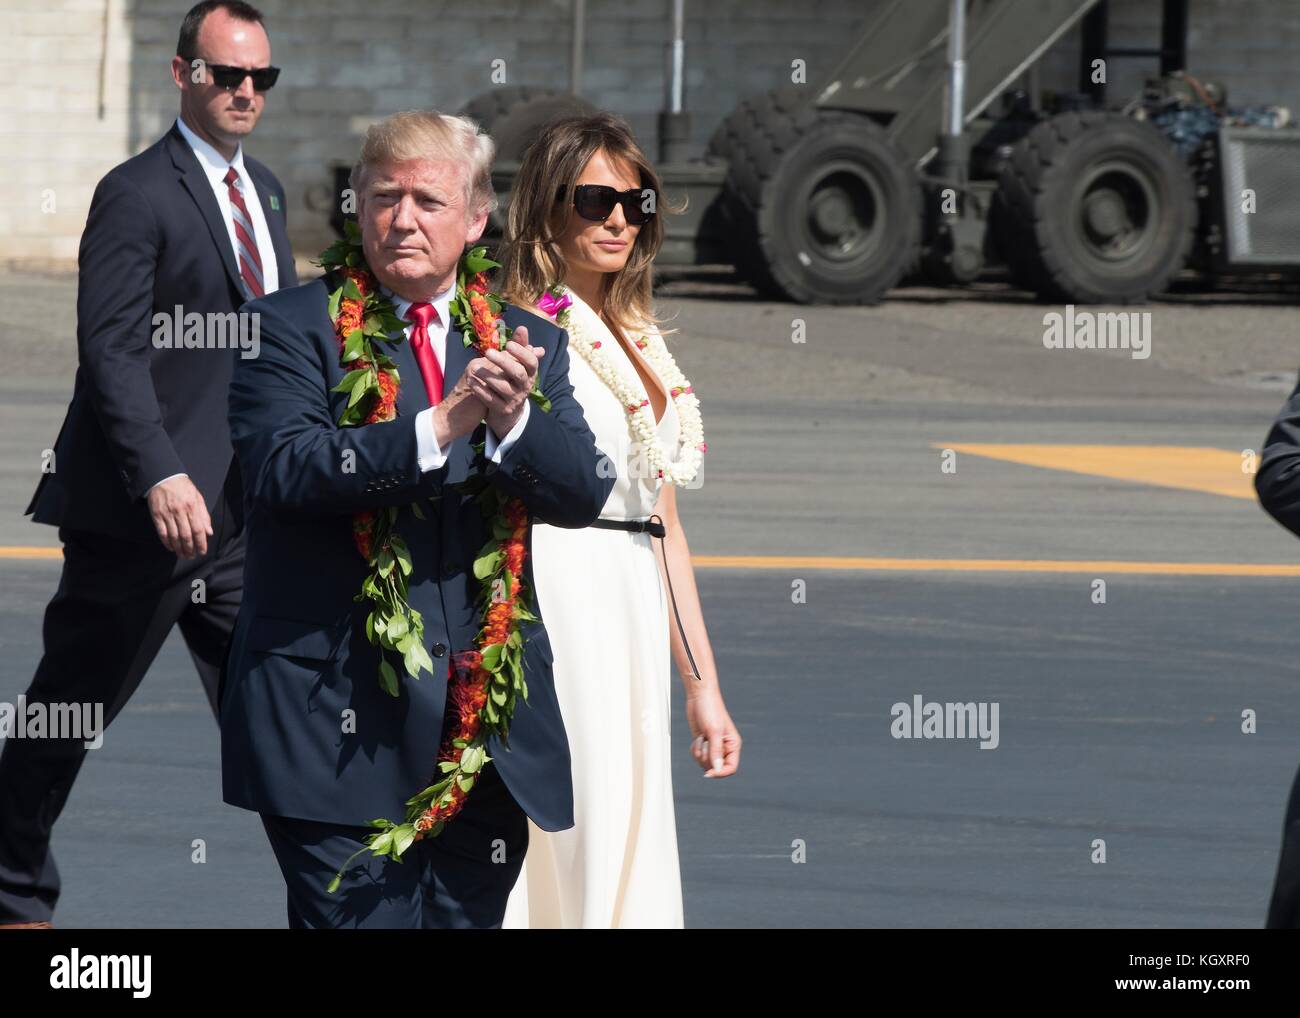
[541,204]
[428,134]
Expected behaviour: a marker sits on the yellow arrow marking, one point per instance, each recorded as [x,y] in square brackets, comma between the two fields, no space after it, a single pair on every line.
[1192,468]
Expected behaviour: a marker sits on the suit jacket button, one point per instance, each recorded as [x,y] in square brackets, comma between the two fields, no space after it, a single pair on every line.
[439,649]
[449,570]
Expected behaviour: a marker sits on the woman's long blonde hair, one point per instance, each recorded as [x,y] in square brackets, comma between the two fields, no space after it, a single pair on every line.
[530,251]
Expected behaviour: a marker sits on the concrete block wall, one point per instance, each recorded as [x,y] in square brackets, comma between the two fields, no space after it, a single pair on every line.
[1250,45]
[55,139]
[346,64]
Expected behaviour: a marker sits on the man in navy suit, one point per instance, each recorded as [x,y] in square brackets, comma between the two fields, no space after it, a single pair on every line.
[309,739]
[143,485]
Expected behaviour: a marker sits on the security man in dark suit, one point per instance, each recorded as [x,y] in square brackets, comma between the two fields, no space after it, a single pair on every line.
[1277,482]
[143,484]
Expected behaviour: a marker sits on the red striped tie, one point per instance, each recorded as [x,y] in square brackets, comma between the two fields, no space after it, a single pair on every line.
[250,264]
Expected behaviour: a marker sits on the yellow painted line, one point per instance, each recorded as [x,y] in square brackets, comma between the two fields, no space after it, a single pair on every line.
[22,552]
[1191,468]
[917,565]
[992,565]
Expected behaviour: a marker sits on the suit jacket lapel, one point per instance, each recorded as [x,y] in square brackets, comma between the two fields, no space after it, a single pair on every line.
[457,359]
[411,397]
[196,183]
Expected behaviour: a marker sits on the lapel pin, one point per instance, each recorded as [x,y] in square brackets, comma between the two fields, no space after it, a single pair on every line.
[275,203]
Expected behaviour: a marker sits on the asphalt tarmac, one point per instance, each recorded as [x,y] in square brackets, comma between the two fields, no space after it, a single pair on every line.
[843,571]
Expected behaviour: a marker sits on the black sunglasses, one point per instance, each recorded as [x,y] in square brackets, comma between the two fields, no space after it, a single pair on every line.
[226,76]
[596,202]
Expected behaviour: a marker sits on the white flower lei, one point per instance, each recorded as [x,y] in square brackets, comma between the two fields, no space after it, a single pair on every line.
[682,470]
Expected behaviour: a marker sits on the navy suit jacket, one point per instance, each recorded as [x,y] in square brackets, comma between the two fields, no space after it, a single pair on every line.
[299,658]
[155,238]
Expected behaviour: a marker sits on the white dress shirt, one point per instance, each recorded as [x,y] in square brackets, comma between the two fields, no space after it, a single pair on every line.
[214,167]
[430,456]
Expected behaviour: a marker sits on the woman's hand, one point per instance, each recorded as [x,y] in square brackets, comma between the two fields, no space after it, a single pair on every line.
[715,740]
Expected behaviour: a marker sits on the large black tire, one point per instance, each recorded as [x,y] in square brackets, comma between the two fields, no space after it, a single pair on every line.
[1095,208]
[822,208]
[514,115]
[762,106]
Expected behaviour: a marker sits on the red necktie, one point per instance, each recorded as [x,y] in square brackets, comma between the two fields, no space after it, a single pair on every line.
[421,315]
[250,263]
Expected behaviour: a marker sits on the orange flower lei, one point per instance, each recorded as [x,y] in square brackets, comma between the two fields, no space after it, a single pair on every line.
[484,684]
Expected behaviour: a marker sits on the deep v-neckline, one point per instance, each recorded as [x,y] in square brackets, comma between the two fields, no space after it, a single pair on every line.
[634,358]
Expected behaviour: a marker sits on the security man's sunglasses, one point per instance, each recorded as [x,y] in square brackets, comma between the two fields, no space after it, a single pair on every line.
[226,76]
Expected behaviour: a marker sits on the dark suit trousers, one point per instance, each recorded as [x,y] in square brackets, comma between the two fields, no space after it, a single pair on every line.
[116,603]
[1284,907]
[459,880]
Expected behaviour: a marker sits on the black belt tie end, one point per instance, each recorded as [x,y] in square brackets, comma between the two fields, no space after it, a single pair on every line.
[654,526]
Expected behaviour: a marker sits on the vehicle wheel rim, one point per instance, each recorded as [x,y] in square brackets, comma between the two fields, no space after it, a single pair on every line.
[842,216]
[1118,212]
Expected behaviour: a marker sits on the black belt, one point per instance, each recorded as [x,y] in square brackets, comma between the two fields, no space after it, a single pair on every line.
[654,526]
[634,526]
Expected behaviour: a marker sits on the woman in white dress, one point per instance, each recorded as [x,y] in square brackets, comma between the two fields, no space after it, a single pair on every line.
[582,232]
